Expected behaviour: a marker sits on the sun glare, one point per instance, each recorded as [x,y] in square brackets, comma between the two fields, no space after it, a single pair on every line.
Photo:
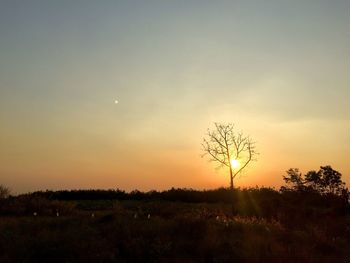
[234,163]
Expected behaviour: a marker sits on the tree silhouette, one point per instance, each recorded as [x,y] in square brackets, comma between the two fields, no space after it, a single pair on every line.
[325,181]
[229,148]
[4,192]
[294,179]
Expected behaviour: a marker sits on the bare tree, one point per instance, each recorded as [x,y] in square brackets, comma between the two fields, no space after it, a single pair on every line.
[229,148]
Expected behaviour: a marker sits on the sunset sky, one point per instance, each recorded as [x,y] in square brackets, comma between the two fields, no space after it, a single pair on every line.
[278,69]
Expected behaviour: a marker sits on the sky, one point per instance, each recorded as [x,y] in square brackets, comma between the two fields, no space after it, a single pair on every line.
[279,70]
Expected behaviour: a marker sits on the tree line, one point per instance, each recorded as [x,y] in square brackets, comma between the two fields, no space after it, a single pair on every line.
[324,182]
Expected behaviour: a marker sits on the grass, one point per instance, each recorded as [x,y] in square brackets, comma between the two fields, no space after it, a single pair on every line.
[174,232]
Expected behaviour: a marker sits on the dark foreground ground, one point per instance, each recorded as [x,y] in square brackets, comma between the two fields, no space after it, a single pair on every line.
[264,230]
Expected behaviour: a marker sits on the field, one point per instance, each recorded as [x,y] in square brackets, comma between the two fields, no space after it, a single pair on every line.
[36,229]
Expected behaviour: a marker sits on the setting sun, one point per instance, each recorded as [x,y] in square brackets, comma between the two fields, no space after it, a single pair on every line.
[234,163]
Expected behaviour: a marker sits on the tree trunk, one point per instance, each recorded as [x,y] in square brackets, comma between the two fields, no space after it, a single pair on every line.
[234,212]
[231,176]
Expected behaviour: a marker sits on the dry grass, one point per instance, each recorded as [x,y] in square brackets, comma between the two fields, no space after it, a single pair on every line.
[173,232]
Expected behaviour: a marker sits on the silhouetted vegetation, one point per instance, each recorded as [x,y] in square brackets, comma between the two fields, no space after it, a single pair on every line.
[308,220]
[4,192]
[229,149]
[325,181]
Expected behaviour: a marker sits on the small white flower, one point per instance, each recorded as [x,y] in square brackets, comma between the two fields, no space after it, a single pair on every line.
[35,214]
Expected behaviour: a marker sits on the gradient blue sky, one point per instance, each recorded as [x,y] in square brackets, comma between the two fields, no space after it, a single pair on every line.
[278,69]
